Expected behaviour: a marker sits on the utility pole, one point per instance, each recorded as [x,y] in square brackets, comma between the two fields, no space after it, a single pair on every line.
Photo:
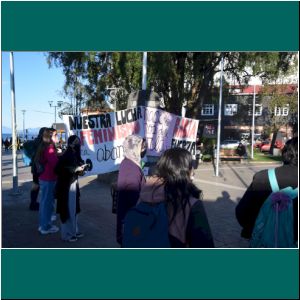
[58,104]
[253,124]
[14,125]
[23,111]
[219,118]
[144,74]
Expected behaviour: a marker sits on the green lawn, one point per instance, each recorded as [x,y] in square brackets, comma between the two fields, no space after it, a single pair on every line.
[265,157]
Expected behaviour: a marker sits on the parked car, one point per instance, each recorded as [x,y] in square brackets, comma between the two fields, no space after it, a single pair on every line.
[229,144]
[266,145]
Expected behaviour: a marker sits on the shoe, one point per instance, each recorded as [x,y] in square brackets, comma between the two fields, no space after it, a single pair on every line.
[34,206]
[72,239]
[52,229]
[79,235]
[53,218]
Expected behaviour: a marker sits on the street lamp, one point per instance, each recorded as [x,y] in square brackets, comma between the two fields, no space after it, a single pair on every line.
[23,111]
[255,82]
[58,104]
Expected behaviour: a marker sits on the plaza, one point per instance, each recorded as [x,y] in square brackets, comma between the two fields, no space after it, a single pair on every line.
[220,196]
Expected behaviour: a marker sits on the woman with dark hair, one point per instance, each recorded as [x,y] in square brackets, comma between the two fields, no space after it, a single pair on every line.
[287,175]
[35,188]
[173,183]
[130,179]
[44,163]
[69,167]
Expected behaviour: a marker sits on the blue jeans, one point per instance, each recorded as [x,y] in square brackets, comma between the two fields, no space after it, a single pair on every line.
[46,204]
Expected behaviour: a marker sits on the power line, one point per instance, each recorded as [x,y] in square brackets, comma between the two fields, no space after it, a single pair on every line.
[43,112]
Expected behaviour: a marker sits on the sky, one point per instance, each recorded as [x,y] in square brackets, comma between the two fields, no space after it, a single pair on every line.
[35,85]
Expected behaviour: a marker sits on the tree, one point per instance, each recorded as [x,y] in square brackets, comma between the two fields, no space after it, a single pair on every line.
[178,76]
[282,102]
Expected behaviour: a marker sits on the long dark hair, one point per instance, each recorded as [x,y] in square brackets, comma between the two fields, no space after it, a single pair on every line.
[42,145]
[175,167]
[290,152]
[74,148]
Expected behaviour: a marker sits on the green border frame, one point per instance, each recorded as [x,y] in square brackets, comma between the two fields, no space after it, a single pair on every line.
[134,274]
[155,26]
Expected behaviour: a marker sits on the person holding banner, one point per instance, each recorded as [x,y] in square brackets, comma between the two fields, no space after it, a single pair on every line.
[69,167]
[130,178]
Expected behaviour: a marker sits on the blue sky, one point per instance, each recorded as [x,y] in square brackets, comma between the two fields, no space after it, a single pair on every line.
[35,85]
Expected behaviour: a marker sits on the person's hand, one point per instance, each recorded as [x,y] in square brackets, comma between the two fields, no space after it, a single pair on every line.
[79,169]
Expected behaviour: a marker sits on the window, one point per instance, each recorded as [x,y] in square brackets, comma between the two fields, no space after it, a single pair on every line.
[230,109]
[258,110]
[281,111]
[207,110]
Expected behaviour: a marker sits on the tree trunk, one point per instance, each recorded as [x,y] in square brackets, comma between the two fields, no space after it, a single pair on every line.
[273,141]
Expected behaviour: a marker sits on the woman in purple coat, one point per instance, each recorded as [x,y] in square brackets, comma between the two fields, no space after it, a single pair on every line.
[130,179]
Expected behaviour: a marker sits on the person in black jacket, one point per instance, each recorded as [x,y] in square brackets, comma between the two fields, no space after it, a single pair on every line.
[35,188]
[287,175]
[69,166]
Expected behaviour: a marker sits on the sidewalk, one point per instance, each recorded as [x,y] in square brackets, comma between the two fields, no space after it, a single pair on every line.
[221,194]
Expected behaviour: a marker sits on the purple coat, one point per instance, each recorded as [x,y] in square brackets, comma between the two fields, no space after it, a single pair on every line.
[130,180]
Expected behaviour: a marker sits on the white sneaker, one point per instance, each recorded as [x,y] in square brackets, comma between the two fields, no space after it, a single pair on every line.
[52,229]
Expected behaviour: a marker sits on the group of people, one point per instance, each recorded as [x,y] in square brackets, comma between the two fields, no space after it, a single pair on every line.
[171,184]
[6,144]
[55,176]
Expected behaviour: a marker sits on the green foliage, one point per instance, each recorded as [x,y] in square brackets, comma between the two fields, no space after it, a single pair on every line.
[275,96]
[178,76]
[208,145]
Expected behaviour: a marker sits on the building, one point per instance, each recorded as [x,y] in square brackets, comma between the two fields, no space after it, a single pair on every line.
[237,107]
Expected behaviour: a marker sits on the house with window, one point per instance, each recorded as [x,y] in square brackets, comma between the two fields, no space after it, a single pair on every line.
[237,110]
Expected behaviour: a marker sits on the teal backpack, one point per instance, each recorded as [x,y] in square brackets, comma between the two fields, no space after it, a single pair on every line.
[274,226]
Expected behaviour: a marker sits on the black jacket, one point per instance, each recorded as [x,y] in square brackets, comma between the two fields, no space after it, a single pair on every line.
[248,208]
[66,175]
[198,231]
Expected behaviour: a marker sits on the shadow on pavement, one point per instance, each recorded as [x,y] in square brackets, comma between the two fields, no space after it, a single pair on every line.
[19,224]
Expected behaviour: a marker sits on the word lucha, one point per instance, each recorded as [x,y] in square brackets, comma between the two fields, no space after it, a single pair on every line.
[128,115]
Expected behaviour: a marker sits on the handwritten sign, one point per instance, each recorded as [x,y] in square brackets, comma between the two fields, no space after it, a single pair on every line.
[164,130]
[102,135]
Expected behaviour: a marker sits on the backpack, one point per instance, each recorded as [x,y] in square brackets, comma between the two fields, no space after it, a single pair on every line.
[274,226]
[146,226]
[29,150]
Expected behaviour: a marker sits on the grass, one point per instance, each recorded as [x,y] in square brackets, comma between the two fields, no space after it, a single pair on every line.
[265,157]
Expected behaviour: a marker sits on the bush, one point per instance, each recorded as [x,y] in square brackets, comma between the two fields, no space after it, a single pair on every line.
[206,157]
[208,145]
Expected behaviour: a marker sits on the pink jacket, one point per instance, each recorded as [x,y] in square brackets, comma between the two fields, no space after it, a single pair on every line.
[49,161]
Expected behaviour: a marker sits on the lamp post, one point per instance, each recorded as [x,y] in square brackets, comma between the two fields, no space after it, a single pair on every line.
[23,111]
[14,125]
[256,82]
[253,123]
[219,118]
[58,104]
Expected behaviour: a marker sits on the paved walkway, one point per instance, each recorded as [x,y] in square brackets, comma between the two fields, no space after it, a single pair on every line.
[221,194]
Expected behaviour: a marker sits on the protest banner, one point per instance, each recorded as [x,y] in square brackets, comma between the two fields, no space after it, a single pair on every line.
[102,135]
[164,130]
